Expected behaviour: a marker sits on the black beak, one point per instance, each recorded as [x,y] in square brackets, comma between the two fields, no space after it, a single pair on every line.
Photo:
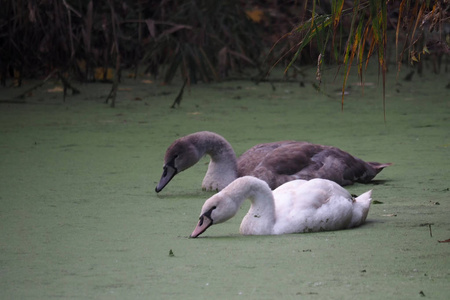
[169,172]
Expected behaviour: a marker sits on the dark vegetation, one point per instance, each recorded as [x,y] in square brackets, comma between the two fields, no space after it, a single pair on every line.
[86,40]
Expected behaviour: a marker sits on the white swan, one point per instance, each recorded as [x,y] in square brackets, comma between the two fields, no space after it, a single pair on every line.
[275,163]
[295,207]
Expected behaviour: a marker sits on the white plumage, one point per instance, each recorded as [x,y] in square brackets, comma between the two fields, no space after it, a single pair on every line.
[295,207]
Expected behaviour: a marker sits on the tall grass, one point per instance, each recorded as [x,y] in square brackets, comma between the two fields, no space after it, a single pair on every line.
[202,39]
[359,29]
[205,40]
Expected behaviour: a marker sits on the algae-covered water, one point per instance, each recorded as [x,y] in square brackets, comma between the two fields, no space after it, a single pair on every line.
[79,217]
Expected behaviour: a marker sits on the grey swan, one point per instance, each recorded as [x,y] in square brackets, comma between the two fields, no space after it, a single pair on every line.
[297,206]
[275,163]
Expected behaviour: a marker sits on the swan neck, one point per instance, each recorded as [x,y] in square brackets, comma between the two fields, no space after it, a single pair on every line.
[222,169]
[260,219]
[218,148]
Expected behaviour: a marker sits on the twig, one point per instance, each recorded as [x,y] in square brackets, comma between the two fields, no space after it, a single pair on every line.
[12,102]
[113,93]
[429,227]
[180,95]
[21,96]
[69,16]
[115,86]
[66,86]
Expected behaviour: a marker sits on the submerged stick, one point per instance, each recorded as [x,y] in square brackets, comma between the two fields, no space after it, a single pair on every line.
[180,95]
[113,93]
[66,86]
[21,96]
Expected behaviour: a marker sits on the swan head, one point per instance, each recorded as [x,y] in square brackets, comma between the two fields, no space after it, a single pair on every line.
[217,209]
[180,156]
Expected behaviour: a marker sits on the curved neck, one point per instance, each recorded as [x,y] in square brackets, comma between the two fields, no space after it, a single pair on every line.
[214,145]
[222,168]
[260,218]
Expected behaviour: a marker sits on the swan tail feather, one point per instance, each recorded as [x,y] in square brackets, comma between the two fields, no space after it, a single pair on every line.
[379,166]
[361,207]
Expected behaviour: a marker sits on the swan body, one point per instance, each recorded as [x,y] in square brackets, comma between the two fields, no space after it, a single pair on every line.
[275,163]
[298,206]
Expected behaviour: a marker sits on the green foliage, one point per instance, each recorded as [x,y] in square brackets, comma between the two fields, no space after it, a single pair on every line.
[365,23]
[204,40]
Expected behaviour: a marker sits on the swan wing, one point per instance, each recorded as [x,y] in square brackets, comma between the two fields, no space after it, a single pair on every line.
[289,160]
[314,205]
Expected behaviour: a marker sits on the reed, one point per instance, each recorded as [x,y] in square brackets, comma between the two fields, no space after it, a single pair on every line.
[205,40]
[359,29]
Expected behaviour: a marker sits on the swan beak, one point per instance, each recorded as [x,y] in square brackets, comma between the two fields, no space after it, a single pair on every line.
[202,225]
[168,174]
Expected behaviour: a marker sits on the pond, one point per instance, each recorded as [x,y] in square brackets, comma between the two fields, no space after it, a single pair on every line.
[79,216]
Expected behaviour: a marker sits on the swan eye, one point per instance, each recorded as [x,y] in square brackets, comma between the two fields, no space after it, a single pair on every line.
[171,164]
[207,215]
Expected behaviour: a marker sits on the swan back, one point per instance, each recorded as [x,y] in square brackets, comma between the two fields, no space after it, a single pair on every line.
[280,162]
[317,205]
